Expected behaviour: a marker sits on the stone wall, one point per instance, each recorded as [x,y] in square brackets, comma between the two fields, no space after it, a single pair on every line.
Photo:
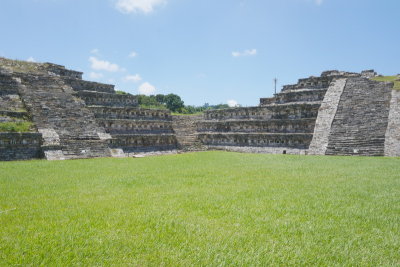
[59,70]
[361,119]
[113,126]
[186,130]
[326,115]
[392,135]
[132,143]
[93,98]
[255,126]
[104,112]
[20,146]
[299,140]
[82,85]
[55,110]
[136,129]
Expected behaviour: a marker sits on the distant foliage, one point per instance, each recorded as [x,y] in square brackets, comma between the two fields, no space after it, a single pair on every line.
[174,103]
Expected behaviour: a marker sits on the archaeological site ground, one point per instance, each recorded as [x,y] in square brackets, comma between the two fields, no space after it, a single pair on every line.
[201,209]
[316,181]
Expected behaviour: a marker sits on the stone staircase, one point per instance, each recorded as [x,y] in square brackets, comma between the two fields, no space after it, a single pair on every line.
[185,128]
[69,129]
[361,119]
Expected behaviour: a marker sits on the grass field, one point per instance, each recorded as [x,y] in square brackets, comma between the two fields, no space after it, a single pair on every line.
[201,209]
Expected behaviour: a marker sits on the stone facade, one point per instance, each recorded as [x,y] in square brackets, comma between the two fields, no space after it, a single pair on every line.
[361,119]
[76,118]
[20,146]
[185,128]
[338,113]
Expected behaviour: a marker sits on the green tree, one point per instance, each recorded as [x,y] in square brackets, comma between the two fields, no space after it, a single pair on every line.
[174,102]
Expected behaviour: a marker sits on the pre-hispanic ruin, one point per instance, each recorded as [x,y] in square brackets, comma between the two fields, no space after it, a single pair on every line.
[65,117]
[72,118]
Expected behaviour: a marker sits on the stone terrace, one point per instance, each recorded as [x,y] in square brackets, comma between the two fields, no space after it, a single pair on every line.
[281,124]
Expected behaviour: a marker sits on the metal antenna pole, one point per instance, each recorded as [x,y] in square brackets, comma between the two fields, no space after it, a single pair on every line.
[275,81]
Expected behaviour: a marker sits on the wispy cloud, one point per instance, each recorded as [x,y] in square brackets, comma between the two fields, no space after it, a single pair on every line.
[232,103]
[318,2]
[132,54]
[135,6]
[146,89]
[248,52]
[133,78]
[95,51]
[98,64]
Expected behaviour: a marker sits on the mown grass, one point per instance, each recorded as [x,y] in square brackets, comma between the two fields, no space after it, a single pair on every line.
[201,209]
[394,79]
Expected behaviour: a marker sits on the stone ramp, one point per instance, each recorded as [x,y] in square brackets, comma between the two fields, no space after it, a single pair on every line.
[361,119]
[326,114]
[69,129]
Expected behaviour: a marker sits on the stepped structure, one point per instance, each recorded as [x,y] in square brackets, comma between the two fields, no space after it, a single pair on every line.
[338,113]
[72,118]
[48,111]
[185,127]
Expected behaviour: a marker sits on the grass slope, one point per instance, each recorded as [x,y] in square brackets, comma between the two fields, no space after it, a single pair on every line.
[394,79]
[203,209]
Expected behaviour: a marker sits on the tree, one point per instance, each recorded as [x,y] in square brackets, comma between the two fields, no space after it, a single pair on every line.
[174,102]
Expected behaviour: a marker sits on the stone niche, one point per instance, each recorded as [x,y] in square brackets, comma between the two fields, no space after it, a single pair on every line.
[130,113]
[143,143]
[140,126]
[93,98]
[300,141]
[271,126]
[20,146]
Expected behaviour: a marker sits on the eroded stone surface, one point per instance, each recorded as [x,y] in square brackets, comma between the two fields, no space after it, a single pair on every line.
[326,114]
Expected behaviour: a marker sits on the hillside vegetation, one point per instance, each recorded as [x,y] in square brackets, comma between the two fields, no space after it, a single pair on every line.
[201,209]
[394,79]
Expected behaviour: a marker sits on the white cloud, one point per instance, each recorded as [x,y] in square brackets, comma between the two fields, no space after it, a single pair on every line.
[135,6]
[95,75]
[133,54]
[31,59]
[95,51]
[133,78]
[98,64]
[248,52]
[146,89]
[232,103]
[318,2]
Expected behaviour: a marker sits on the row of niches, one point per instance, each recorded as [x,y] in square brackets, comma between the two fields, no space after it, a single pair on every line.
[302,96]
[266,113]
[295,141]
[310,83]
[126,126]
[130,113]
[276,126]
[109,100]
[16,139]
[142,140]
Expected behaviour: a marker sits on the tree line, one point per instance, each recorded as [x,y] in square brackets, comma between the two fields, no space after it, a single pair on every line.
[173,102]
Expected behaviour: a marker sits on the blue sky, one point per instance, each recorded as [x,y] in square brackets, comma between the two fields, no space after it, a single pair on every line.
[206,51]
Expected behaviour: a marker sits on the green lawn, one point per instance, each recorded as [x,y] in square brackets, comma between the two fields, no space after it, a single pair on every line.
[201,209]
